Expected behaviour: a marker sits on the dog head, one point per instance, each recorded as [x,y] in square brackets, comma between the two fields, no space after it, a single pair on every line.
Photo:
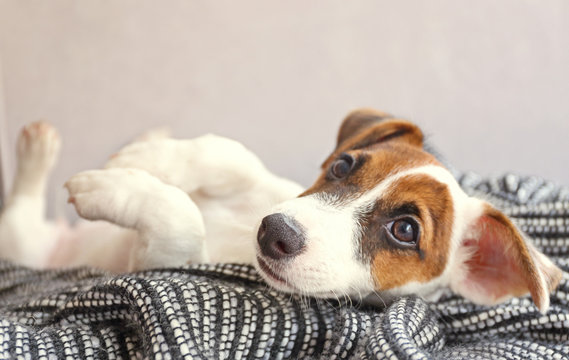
[385,217]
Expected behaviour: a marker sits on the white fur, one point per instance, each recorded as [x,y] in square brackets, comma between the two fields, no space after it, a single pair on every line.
[328,267]
[25,236]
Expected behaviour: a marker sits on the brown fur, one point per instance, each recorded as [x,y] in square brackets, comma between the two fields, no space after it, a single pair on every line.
[380,147]
[373,165]
[382,132]
[358,120]
[392,267]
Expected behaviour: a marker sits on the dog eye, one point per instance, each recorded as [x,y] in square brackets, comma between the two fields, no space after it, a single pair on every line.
[342,167]
[404,230]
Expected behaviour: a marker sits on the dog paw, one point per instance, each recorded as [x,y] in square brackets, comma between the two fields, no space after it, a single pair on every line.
[38,147]
[113,195]
[127,197]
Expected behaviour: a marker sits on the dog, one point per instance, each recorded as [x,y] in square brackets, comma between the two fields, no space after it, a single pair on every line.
[385,218]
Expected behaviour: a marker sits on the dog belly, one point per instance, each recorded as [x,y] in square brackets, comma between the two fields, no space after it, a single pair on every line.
[99,244]
[228,235]
[230,227]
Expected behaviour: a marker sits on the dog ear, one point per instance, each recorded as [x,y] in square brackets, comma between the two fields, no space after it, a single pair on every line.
[365,127]
[497,262]
[359,120]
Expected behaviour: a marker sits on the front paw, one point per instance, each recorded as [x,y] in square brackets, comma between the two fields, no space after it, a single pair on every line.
[114,195]
[132,198]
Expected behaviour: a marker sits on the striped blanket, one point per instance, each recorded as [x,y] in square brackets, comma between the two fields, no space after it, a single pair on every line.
[226,311]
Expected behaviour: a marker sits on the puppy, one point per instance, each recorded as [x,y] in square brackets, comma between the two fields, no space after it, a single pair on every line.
[384,218]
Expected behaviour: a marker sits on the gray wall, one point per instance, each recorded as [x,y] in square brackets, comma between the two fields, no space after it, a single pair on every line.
[488,80]
[4,150]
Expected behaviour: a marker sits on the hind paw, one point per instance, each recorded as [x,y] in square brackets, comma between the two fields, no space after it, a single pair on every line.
[38,147]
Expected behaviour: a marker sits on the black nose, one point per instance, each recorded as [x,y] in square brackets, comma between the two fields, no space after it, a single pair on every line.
[280,237]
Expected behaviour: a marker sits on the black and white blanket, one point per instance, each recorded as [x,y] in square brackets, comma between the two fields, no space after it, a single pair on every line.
[227,312]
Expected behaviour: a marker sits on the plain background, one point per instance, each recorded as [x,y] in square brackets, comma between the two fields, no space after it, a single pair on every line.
[487,80]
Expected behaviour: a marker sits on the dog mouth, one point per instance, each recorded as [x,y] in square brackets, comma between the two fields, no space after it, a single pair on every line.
[270,273]
[279,282]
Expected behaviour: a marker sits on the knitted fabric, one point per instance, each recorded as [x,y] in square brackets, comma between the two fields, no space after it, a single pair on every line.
[226,311]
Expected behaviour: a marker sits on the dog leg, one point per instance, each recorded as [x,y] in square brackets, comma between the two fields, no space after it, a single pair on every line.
[169,224]
[25,236]
[214,165]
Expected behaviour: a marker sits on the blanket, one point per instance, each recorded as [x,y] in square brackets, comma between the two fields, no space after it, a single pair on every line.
[226,311]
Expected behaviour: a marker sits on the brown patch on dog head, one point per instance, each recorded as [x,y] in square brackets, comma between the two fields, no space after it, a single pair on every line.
[427,201]
[395,130]
[379,145]
[387,131]
[358,120]
[372,165]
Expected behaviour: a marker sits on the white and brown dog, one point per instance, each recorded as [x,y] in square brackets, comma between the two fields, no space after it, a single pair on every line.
[384,218]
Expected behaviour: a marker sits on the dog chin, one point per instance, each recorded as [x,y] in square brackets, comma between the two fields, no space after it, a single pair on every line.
[278,279]
[274,277]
